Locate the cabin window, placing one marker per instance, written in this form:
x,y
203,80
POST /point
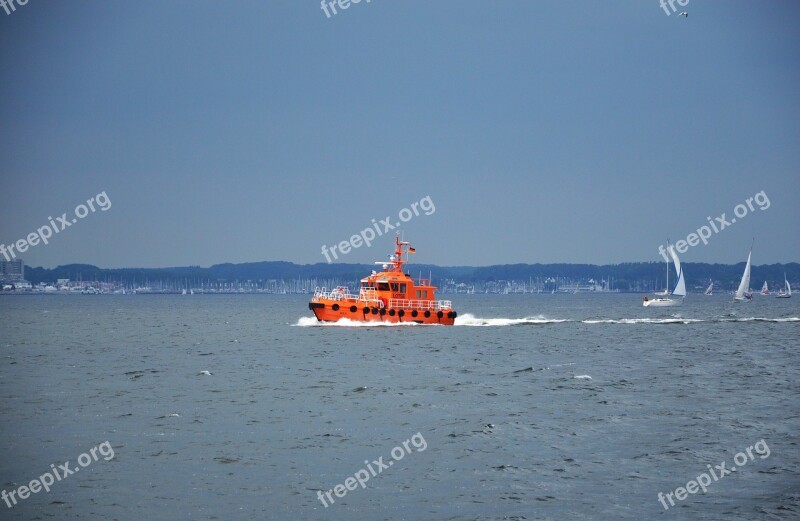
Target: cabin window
x,y
383,286
402,288
422,293
395,287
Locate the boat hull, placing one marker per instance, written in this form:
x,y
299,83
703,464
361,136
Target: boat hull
x,y
661,303
335,311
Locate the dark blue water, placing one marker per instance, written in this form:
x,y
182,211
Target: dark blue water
x,y
534,407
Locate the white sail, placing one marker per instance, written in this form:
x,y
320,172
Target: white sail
x,y
744,285
710,288
787,293
680,286
765,289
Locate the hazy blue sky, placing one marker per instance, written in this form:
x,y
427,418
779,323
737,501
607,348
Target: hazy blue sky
x,y
543,131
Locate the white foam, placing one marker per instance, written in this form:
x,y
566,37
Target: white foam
x,y
582,377
470,320
473,321
762,319
346,322
644,321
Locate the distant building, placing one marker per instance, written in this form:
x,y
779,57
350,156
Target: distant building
x,y
12,271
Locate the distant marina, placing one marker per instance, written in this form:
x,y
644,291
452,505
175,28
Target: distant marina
x,y
275,278
306,287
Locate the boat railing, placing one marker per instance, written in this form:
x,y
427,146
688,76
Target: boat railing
x,y
369,297
398,303
338,293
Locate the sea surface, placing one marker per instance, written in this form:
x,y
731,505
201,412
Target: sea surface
x,y
563,407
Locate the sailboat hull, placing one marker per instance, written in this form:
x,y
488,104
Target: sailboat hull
x,y
661,303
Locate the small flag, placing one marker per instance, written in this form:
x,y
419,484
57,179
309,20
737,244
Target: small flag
x,y
411,250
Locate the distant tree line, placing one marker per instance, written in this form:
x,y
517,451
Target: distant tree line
x,y
626,276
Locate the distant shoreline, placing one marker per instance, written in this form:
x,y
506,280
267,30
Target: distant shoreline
x,y
285,277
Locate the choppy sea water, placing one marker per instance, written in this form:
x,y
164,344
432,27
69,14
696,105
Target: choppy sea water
x,y
531,407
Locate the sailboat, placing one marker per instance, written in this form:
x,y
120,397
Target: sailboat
x,y
710,289
680,286
788,292
765,289
665,293
742,294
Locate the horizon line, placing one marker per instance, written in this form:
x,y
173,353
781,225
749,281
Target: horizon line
x,y
407,264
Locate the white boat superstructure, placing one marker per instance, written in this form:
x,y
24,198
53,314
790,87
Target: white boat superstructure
x,y
680,286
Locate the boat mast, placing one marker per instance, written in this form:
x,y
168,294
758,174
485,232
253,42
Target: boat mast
x,y
397,263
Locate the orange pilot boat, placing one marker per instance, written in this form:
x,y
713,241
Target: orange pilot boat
x,y
388,296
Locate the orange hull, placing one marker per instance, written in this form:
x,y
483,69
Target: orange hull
x,y
325,312
389,296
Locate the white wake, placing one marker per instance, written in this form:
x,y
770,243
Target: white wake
x,y
346,322
473,321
